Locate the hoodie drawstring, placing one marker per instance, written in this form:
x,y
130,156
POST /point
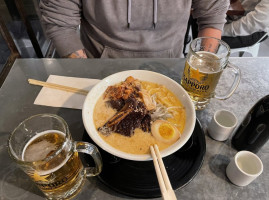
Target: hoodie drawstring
x,y
155,13
129,12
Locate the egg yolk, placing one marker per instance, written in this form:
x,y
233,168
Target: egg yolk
x,y
166,130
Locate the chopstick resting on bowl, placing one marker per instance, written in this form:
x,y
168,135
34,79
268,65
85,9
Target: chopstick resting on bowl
x,y
163,179
58,87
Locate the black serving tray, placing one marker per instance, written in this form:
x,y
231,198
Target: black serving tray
x,y
138,178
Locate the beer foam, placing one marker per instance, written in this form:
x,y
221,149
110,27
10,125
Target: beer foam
x,y
205,66
39,151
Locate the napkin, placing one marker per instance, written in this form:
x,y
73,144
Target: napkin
x,y
59,98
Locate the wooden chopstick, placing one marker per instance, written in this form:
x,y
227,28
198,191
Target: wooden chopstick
x,y
58,87
163,179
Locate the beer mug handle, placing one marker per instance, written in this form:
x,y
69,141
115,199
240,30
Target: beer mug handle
x,y
85,147
235,84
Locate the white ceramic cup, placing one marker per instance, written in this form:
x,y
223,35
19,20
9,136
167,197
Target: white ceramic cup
x,y
244,168
222,125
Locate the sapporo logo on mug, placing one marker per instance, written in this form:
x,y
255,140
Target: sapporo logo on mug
x,y
206,60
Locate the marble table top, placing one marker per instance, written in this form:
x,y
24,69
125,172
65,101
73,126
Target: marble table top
x,y
16,104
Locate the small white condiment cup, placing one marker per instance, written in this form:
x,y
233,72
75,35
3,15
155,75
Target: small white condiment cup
x,y
222,125
244,168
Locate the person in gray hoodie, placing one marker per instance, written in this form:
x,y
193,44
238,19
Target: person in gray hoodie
x,y
126,28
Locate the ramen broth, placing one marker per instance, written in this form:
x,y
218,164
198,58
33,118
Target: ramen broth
x,y
140,141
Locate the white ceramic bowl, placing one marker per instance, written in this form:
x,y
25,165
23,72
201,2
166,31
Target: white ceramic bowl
x,y
99,89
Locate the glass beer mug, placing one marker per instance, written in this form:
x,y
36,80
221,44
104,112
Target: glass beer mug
x,y
206,60
43,148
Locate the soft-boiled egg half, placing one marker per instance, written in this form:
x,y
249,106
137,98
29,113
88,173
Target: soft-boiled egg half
x,y
164,131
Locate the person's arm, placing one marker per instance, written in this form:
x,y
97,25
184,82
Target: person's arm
x,y
211,16
61,19
210,32
210,44
254,21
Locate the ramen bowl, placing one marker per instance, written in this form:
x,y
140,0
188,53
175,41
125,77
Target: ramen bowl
x,y
98,90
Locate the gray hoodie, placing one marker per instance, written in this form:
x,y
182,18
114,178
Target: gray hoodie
x,y
127,28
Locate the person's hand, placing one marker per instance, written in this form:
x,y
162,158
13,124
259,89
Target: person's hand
x,y
77,54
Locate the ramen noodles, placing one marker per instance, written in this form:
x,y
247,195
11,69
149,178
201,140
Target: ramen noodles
x,y
133,115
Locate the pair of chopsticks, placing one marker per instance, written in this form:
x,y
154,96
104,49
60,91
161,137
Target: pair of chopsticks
x,y
58,87
163,179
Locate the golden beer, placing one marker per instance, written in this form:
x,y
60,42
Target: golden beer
x,y
201,75
207,58
57,173
50,156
